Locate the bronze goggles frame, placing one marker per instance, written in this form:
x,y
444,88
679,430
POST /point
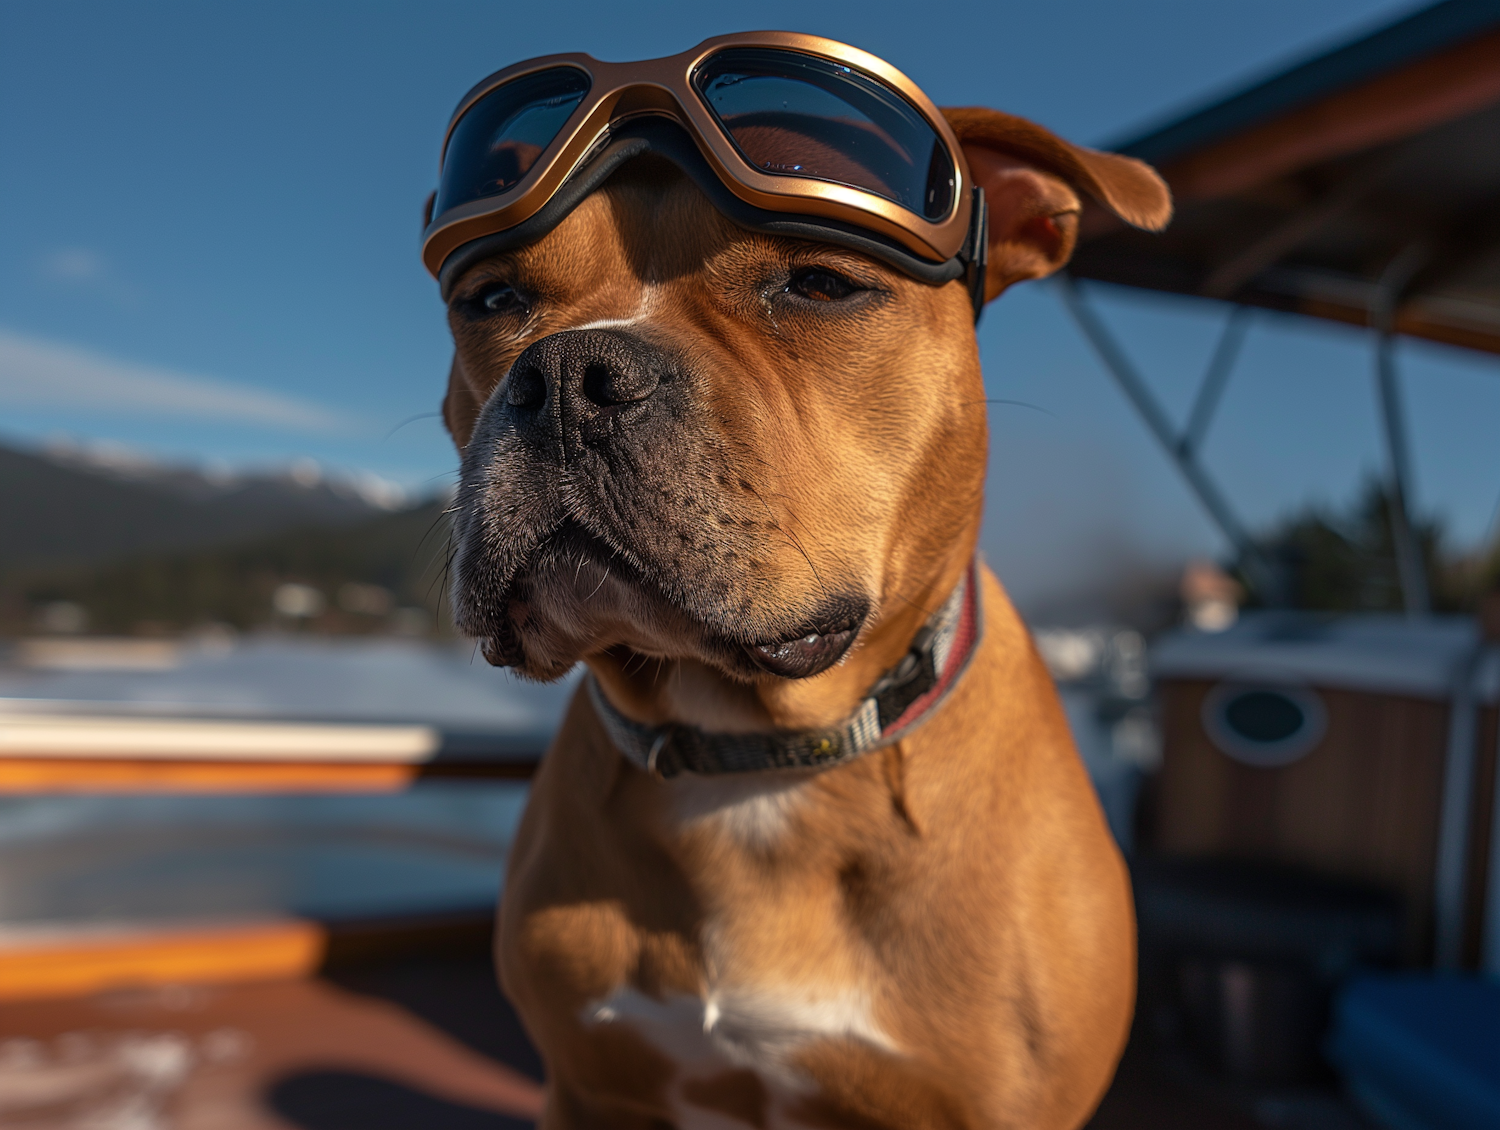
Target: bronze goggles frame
x,y
621,114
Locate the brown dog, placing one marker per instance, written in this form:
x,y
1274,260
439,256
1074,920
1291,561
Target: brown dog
x,y
706,462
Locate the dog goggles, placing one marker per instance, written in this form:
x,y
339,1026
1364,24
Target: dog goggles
x,y
786,133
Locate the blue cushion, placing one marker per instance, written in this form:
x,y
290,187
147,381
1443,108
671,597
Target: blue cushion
x,y
1421,1052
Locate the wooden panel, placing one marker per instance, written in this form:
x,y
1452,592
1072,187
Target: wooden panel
x,y
73,965
1363,806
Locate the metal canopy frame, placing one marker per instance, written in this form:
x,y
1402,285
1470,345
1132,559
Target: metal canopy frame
x,y
1360,186
1184,447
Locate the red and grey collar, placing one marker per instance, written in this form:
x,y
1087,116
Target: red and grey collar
x,y
900,701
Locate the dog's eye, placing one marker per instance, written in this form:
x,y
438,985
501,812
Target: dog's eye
x,y
499,299
821,285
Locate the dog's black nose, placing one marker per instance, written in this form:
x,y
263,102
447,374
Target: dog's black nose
x,y
584,376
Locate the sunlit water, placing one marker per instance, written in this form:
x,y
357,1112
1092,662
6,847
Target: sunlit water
x,y
437,846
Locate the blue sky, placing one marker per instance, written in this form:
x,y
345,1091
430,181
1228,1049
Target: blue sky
x,y
209,219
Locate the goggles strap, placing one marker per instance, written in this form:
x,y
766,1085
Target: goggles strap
x,y
976,251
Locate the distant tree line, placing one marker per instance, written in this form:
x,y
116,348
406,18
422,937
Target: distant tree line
x,y
376,576
1343,559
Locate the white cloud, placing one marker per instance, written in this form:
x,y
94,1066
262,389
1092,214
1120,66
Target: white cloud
x,y
74,264
36,373
84,269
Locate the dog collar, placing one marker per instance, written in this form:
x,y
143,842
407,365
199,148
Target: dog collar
x,y
900,701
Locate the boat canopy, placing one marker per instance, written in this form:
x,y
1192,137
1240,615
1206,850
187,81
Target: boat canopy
x,y
1362,185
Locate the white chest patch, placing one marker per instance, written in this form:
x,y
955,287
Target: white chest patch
x,y
755,1030
752,809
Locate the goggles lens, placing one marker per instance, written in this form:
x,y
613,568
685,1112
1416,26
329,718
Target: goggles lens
x,y
797,115
497,141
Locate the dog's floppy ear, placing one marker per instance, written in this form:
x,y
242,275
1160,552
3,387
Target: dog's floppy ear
x,y
461,404
1032,180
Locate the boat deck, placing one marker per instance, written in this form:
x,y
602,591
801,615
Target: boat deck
x,y
422,1043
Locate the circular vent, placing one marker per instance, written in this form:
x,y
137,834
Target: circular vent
x,y
1264,726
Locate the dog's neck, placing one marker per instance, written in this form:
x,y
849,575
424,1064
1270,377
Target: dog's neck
x,y
901,700
688,692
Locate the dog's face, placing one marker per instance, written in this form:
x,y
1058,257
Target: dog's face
x,y
683,440
696,441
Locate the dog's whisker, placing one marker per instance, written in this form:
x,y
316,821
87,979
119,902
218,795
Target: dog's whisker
x,y
780,529
910,603
599,586
1008,403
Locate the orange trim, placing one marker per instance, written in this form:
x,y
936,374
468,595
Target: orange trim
x,y
76,966
1437,89
1412,324
28,775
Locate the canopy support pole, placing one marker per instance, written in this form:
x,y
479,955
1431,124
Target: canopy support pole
x,y
1180,449
1409,567
1415,595
1215,378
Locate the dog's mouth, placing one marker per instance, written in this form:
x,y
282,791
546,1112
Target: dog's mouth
x,y
593,574
804,655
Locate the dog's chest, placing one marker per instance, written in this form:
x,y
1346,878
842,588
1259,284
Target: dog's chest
x,y
735,1052
735,1045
